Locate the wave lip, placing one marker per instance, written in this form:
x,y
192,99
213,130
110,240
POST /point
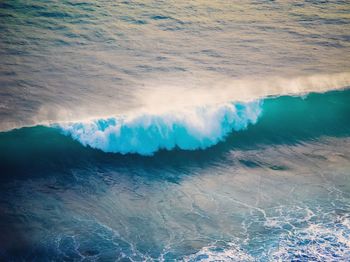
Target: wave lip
x,y
187,129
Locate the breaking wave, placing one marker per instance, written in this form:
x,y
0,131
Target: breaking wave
x,y
273,120
187,129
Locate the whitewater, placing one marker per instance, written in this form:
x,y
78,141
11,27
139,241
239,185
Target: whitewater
x,y
145,134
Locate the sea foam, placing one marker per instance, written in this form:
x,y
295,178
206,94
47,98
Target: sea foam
x,y
146,133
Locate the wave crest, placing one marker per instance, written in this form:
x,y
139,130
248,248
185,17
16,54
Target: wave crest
x,y
187,129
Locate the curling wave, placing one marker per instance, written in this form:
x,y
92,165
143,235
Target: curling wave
x,y
274,120
187,129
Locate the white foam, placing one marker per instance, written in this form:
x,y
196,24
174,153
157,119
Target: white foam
x,y
211,253
188,129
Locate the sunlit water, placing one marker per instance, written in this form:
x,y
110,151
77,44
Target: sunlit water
x,y
174,131
63,60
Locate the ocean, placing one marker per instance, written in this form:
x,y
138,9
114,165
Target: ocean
x,y
174,130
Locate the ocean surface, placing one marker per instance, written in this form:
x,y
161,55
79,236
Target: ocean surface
x,y
174,130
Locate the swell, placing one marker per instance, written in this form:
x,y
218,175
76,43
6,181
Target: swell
x,y
281,120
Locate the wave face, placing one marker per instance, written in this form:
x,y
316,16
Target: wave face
x,y
145,134
284,119
279,120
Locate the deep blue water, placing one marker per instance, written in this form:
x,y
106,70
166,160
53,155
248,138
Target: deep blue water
x,y
174,131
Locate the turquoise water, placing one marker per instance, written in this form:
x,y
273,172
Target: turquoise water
x,y
174,131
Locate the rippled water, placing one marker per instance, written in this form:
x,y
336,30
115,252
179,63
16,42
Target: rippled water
x,y
174,131
265,204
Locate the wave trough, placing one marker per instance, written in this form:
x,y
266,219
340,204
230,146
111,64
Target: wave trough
x,y
187,129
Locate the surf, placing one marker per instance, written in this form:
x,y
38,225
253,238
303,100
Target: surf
x,y
187,129
203,127
274,120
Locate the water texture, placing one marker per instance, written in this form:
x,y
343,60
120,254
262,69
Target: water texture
x,y
174,131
